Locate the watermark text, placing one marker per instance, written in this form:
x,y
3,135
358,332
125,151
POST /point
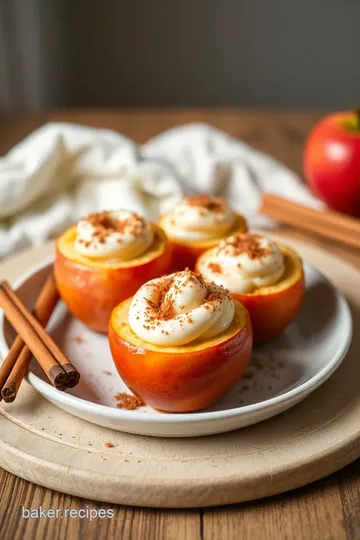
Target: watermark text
x,y
82,513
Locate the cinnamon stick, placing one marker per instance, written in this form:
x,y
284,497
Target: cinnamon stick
x,y
326,223
72,375
15,365
53,370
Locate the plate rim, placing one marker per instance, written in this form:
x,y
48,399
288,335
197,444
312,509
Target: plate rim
x,y
83,405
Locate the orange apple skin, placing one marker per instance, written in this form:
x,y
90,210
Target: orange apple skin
x,y
185,255
271,313
182,382
90,294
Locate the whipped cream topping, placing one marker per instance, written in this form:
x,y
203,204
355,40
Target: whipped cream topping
x,y
199,218
180,308
122,235
243,263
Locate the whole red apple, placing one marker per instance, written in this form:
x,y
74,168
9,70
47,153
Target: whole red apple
x,y
332,161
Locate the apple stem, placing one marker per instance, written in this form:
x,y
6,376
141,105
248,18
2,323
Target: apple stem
x,y
357,118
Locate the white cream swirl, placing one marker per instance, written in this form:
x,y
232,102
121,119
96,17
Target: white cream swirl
x,y
180,308
243,263
122,235
199,218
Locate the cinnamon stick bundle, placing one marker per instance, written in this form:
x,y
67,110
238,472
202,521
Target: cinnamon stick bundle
x,y
15,366
32,339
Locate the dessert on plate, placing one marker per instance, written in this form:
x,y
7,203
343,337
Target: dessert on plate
x,y
104,259
180,343
199,223
267,277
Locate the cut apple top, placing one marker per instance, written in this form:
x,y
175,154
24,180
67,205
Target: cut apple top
x,y
292,271
119,323
66,246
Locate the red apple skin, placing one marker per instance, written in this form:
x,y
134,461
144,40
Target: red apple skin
x,y
332,162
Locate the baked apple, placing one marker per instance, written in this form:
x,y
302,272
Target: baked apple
x,y
197,224
265,276
105,259
180,343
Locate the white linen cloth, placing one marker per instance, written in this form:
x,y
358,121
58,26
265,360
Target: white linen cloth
x,y
62,172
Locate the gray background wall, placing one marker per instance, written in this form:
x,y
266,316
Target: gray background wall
x,y
182,53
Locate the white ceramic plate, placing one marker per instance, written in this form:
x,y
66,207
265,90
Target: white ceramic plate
x,y
279,375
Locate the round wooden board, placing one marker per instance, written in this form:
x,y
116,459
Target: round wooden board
x,y
45,445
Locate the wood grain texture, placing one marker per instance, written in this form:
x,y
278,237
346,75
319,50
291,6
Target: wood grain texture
x,y
311,513
126,523
328,509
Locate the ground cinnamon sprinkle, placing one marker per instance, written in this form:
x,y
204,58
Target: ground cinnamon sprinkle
x,y
163,308
127,401
215,267
193,276
166,306
109,444
214,204
244,243
214,297
166,311
104,224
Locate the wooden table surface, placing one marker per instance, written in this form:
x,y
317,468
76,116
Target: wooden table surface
x,y
328,509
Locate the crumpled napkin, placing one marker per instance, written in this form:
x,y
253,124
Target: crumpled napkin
x,y
62,172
